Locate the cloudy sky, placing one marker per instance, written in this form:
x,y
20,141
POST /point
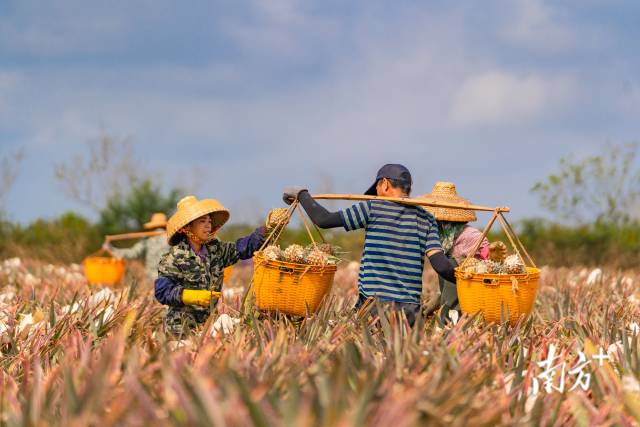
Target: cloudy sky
x,y
252,96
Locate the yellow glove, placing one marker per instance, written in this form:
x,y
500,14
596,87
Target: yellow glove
x,y
199,297
277,217
497,251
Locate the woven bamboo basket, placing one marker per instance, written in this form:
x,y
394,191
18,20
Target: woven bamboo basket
x,y
499,297
289,288
227,273
101,270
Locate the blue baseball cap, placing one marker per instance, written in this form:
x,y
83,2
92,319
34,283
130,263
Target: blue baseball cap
x,y
390,171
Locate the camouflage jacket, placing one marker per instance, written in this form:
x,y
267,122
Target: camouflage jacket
x,y
152,248
181,268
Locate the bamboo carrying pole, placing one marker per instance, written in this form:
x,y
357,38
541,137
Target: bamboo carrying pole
x,y
418,201
136,235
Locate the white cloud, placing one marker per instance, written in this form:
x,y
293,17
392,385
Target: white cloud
x,y
501,98
293,94
61,27
281,28
538,24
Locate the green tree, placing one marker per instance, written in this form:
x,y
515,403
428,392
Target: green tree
x,y
603,187
128,212
68,238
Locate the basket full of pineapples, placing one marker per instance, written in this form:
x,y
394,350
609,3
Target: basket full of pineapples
x,y
503,287
293,280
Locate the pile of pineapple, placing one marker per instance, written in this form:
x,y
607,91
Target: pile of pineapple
x,y
315,254
511,265
498,263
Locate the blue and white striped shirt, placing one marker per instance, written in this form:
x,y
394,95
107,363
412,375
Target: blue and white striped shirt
x,y
396,239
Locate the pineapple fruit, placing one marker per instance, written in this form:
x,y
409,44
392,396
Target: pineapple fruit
x,y
317,257
493,267
272,253
326,248
315,254
513,265
294,253
471,265
277,217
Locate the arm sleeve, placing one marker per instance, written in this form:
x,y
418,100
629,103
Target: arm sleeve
x,y
134,251
442,266
318,213
357,216
167,287
229,253
167,292
246,246
431,237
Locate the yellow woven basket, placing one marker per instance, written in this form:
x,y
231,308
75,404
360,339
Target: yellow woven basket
x,y
290,288
103,270
227,273
496,295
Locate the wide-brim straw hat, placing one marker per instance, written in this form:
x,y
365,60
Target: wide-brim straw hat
x,y
446,192
158,220
189,209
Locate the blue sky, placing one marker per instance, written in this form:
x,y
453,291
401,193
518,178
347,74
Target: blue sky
x,y
252,96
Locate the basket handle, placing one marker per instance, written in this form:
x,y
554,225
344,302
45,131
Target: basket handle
x,y
509,231
277,230
479,242
511,235
101,251
304,221
276,233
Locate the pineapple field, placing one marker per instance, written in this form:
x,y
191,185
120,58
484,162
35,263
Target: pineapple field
x,y
78,355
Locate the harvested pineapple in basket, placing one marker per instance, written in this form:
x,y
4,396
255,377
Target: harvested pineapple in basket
x,y
314,254
512,264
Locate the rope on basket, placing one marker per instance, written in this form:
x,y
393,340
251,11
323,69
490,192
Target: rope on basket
x,y
511,235
274,236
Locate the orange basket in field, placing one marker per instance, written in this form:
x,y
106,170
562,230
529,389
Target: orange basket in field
x,y
227,273
290,288
100,270
499,297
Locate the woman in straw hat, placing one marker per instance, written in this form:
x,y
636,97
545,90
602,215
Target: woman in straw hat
x,y
152,248
457,237
190,274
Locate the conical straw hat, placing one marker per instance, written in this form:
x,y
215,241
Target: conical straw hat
x,y
446,192
158,220
189,209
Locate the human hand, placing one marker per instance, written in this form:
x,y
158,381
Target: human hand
x,y
291,194
497,251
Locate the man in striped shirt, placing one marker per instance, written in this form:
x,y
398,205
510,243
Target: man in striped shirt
x,y
397,238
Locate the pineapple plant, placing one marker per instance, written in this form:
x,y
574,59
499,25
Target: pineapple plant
x,y
294,253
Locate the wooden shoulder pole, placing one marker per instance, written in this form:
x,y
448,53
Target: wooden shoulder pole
x,y
418,201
